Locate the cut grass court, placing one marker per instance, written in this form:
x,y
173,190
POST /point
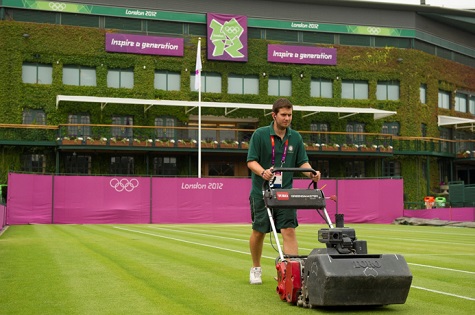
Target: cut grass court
x,y
204,269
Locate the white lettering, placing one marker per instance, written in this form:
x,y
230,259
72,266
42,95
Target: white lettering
x,y
281,54
134,12
316,56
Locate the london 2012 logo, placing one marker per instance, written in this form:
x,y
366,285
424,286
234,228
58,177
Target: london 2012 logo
x,y
124,184
227,37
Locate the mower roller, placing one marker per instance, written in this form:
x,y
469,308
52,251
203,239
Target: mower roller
x,y
342,273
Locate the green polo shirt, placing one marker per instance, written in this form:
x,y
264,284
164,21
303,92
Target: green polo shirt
x,y
260,150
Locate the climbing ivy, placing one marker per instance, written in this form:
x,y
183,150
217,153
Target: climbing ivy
x,y
60,45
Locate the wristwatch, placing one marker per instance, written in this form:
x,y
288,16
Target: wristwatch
x,y
262,174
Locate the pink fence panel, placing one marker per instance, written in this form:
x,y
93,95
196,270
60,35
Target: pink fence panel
x,y
101,199
449,214
370,200
198,200
108,199
29,199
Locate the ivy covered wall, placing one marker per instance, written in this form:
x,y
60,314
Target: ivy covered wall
x,y
60,45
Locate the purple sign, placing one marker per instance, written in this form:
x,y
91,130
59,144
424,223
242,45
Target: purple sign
x,y
227,37
146,45
301,54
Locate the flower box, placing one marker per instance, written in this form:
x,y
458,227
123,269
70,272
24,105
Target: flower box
x,y
313,147
244,145
71,142
163,144
120,143
95,142
330,148
186,144
228,145
208,145
142,143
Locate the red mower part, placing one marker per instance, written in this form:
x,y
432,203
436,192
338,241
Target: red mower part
x,y
289,280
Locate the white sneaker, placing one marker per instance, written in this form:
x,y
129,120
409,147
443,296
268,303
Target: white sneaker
x,y
255,275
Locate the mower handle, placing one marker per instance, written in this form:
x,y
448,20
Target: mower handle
x,y
293,169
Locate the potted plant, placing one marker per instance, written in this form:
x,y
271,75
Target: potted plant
x,y
119,141
229,144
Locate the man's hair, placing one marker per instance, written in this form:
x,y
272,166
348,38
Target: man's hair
x,y
281,103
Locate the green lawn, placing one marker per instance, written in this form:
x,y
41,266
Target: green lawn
x,y
204,269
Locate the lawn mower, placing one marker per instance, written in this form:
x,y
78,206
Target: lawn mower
x,y
342,273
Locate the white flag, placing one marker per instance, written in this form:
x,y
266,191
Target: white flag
x,y
198,67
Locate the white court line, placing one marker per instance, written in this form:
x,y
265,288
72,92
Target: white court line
x,y
241,240
273,258
444,293
188,242
442,268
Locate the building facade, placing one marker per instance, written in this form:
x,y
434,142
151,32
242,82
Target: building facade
x,y
103,87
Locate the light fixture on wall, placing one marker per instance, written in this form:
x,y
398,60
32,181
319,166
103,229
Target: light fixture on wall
x,y
145,67
400,60
301,75
26,35
264,74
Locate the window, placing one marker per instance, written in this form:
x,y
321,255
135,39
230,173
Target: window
x,y
354,89
444,99
34,163
166,80
280,86
387,90
471,105
424,130
390,128
120,78
79,130
317,137
391,168
122,132
34,117
210,82
221,169
461,102
355,138
37,73
164,166
245,84
80,76
423,93
123,165
322,165
354,169
165,133
77,164
321,88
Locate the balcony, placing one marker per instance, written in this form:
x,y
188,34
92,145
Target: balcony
x,y
107,137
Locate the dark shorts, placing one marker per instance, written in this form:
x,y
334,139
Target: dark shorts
x,y
283,218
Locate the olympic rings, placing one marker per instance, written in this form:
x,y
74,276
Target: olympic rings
x,y
232,29
124,184
374,30
57,6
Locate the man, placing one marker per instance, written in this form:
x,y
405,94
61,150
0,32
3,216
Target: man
x,y
276,145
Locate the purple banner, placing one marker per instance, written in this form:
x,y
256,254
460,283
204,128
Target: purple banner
x,y
227,37
134,200
147,45
301,54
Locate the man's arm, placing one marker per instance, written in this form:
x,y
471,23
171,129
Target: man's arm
x,y
314,177
257,169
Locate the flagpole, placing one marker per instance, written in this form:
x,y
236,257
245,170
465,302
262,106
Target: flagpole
x,y
198,83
